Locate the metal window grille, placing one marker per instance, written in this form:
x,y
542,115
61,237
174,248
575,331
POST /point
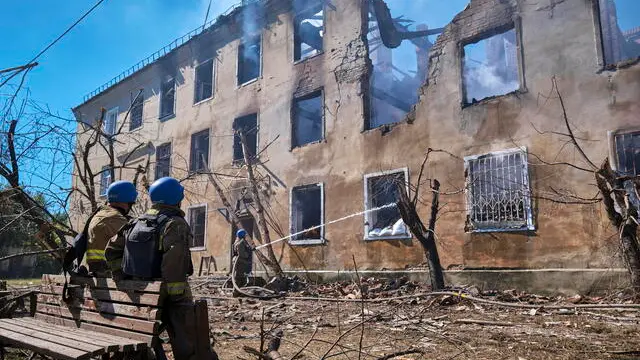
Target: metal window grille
x,y
628,153
163,161
197,222
136,112
199,150
498,193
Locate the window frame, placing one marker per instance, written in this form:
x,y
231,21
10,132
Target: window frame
x,y
169,158
303,242
600,47
367,219
206,220
528,203
613,152
116,110
105,172
241,43
141,113
165,117
207,165
195,81
240,162
516,25
296,25
294,102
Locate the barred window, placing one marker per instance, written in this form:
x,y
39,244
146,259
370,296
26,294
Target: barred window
x,y
628,153
198,224
136,112
498,193
163,160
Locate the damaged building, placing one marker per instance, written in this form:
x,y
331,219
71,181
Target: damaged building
x,y
341,99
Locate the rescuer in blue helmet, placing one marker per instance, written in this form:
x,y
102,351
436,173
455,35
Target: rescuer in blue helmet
x,y
242,261
167,258
106,223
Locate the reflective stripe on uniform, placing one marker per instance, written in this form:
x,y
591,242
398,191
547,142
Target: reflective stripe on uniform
x,y
176,288
96,255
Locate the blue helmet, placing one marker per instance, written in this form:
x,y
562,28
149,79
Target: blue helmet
x,y
122,192
167,191
242,233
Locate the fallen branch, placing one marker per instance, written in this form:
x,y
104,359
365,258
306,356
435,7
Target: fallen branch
x,y
401,353
483,322
32,253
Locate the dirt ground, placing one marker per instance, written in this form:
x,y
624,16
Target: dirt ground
x,y
434,327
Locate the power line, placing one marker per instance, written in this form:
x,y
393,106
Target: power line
x,y
55,41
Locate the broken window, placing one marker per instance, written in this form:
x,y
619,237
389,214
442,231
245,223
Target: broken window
x,y
383,221
498,194
628,153
308,32
204,81
167,98
163,160
620,24
306,214
490,67
307,125
199,151
198,224
110,121
248,125
136,111
399,37
249,53
105,180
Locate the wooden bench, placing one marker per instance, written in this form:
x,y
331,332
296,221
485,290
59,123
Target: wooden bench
x,y
103,318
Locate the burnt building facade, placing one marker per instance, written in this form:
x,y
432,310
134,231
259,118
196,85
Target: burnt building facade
x,y
340,100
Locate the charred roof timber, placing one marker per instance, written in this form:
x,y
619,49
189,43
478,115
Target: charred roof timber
x,y
391,37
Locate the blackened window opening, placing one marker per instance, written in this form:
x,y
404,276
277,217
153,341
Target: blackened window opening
x,y
620,24
308,32
248,125
249,53
136,111
306,204
628,153
199,151
163,161
308,119
204,81
197,222
384,190
167,98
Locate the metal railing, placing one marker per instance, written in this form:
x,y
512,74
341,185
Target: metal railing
x,y
160,53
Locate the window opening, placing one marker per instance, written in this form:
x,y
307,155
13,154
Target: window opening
x,y
204,81
136,111
249,53
382,190
167,98
110,121
620,24
163,160
498,192
490,67
307,212
628,153
308,32
249,126
308,119
105,180
199,151
198,222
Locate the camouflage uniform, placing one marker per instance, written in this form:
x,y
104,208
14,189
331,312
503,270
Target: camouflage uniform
x,y
104,225
178,309
242,261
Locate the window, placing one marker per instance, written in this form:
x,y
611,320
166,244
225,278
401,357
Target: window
x,y
490,67
380,194
628,153
308,32
498,194
199,151
204,81
249,53
163,160
249,126
307,126
167,98
136,111
105,180
620,25
307,211
198,224
110,121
